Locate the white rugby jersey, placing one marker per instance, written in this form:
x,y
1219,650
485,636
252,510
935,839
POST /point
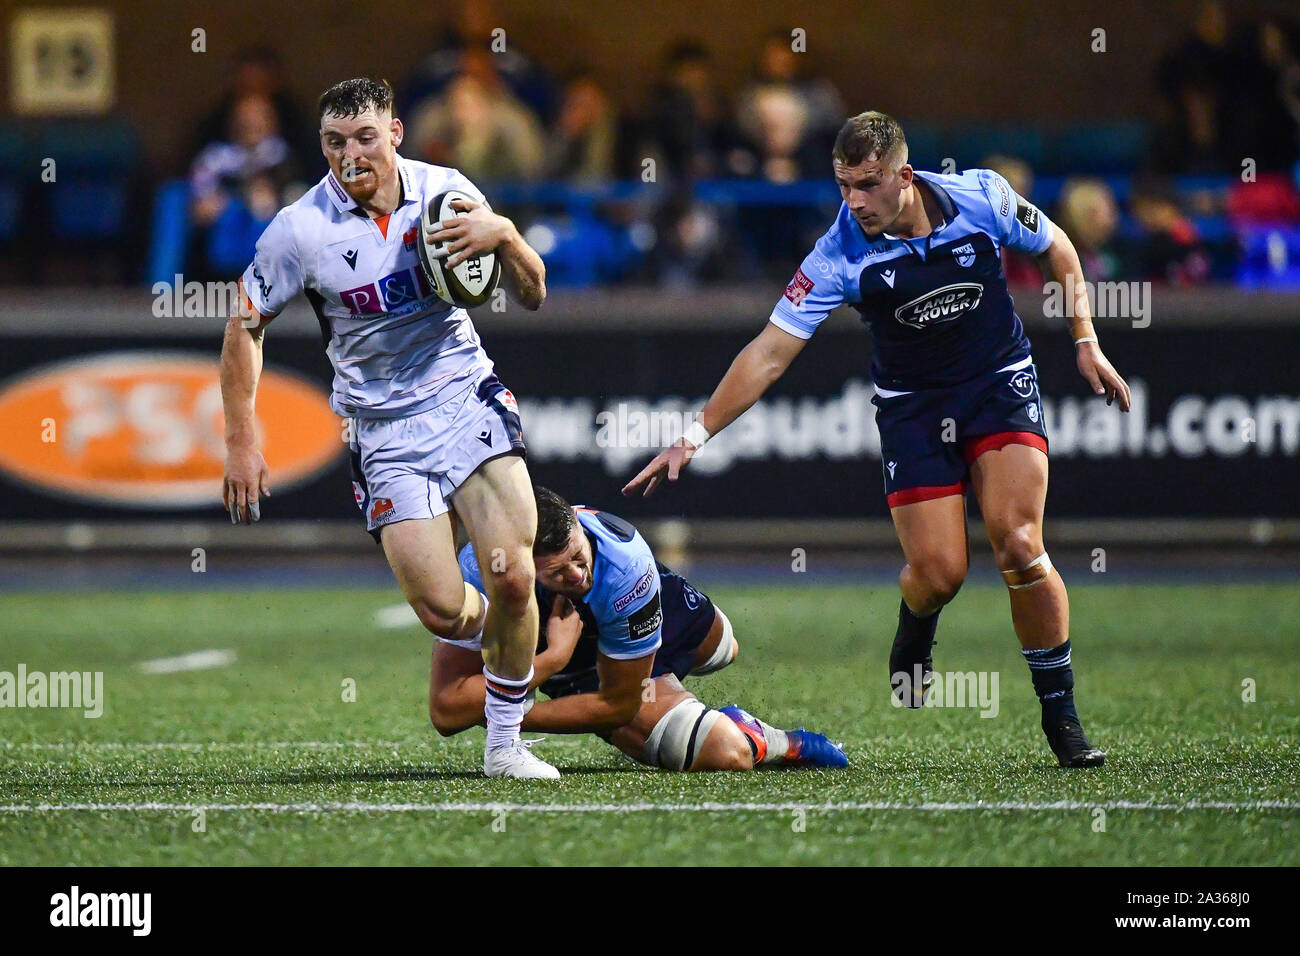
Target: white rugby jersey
x,y
397,349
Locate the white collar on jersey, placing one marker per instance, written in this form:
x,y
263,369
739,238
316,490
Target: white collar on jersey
x,y
345,203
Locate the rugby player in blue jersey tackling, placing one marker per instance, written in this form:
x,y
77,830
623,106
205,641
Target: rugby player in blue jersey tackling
x,y
918,256
623,633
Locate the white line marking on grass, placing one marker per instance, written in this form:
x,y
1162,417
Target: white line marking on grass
x,y
704,807
217,745
396,615
198,661
109,745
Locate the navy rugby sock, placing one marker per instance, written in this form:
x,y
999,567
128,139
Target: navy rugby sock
x,y
1053,682
912,628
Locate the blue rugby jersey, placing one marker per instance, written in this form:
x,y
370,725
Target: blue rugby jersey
x,y
936,307
624,599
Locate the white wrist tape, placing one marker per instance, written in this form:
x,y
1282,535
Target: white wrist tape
x,y
696,434
1086,338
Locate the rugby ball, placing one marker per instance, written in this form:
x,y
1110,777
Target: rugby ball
x,y
468,284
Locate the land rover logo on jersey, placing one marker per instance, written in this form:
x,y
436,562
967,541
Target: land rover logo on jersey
x,y
965,255
1022,383
941,305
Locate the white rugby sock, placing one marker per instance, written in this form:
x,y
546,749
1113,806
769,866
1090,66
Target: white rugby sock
x,y
778,742
503,706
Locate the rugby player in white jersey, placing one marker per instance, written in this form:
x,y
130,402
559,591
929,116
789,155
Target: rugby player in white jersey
x,y
433,427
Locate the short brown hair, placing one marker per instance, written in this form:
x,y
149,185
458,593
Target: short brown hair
x,y
353,97
870,133
555,522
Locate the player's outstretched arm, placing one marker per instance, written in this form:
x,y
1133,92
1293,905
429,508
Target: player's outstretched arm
x,y
613,705
246,478
481,230
1061,263
759,364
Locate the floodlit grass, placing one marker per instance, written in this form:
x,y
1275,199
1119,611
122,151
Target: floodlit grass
x,y
1160,673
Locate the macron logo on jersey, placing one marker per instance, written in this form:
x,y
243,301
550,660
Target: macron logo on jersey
x,y
391,292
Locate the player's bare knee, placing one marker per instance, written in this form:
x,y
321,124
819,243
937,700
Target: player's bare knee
x,y
439,616
441,718
1015,547
942,576
726,750
512,587
739,758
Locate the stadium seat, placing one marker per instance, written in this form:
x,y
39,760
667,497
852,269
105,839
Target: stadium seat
x,y
14,154
170,231
95,161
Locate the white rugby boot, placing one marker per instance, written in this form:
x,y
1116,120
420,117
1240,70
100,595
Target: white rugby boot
x,y
518,761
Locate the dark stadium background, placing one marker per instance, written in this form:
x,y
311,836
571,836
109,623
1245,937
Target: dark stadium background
x,y
655,285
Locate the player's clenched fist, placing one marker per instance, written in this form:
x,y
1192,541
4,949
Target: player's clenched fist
x,y
245,481
669,462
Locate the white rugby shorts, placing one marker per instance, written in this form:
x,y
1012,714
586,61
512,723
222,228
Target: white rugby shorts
x,y
404,468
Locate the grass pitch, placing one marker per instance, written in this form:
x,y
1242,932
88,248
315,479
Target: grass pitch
x,y
262,761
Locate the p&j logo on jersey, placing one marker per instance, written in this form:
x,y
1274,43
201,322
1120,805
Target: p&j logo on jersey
x,y
388,294
798,288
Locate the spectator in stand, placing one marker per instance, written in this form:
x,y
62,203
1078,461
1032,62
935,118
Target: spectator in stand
x,y
687,130
474,31
789,120
774,124
1264,105
1088,214
237,186
478,126
257,72
584,141
1193,80
690,248
1020,269
1169,250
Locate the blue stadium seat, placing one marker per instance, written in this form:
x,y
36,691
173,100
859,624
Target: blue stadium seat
x,y
14,155
170,232
95,161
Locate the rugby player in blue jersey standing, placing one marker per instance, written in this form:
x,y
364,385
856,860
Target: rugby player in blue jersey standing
x,y
918,256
